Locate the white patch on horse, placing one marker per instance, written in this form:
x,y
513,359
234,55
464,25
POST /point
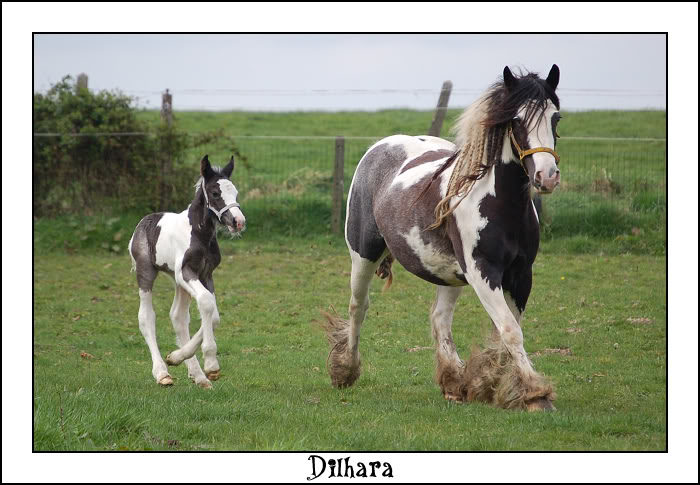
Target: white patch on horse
x,y
174,238
416,174
441,265
415,148
469,220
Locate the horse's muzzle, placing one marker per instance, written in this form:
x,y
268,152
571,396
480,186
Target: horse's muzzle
x,y
545,184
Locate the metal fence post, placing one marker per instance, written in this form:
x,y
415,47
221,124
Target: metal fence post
x,y
338,175
441,109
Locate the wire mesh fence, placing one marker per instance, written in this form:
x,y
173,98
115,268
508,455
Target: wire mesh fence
x,y
291,177
605,175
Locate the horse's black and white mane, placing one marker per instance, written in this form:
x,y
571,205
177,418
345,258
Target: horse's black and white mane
x,y
480,132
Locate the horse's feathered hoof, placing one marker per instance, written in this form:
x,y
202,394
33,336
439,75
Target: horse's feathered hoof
x,y
541,404
213,375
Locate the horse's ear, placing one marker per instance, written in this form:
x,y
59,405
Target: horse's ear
x,y
553,77
509,79
228,169
205,167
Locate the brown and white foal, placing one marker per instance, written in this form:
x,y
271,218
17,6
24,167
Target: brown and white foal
x,y
184,246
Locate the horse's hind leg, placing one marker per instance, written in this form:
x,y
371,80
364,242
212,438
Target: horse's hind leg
x,y
147,325
449,367
180,316
344,335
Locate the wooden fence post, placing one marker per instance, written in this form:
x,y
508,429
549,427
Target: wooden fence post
x,y
166,114
441,109
82,80
166,109
338,175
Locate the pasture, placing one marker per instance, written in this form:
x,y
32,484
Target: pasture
x,y
596,324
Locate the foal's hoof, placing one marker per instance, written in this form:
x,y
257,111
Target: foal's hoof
x,y
205,384
540,405
170,360
166,381
213,375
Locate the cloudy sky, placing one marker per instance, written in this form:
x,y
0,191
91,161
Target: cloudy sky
x,y
353,71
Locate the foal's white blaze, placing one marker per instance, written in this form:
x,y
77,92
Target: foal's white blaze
x,y
230,195
439,264
174,239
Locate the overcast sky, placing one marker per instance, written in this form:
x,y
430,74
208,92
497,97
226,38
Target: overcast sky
x,y
598,71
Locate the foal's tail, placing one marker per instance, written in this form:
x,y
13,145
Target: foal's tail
x,y
384,271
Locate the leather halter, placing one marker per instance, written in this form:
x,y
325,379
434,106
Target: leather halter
x,y
522,154
218,213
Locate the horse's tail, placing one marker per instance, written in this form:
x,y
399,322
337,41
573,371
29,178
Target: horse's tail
x,y
384,271
133,261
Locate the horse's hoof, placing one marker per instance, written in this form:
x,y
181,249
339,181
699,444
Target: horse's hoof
x,y
170,360
452,397
205,384
213,375
540,405
166,381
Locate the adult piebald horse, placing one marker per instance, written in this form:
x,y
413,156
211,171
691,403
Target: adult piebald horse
x,y
455,215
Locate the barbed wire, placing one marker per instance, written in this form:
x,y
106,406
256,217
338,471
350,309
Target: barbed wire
x,y
312,137
378,91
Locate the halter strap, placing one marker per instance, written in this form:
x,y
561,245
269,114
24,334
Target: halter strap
x,y
522,154
218,213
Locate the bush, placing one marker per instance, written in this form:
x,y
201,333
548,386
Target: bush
x,y
84,172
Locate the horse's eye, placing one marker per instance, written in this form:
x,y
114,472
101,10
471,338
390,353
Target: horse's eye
x,y
516,118
215,195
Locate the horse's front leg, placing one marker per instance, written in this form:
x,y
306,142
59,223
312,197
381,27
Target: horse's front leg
x,y
448,372
206,303
180,316
503,374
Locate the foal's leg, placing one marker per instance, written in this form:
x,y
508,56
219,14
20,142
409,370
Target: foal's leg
x,y
205,335
180,316
504,375
344,335
449,366
147,325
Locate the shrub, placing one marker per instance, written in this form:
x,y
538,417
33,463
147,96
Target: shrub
x,y
82,171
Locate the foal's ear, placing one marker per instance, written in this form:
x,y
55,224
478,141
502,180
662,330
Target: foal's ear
x,y
205,167
553,77
509,79
228,169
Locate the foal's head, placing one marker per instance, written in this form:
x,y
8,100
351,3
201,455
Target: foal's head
x,y
220,195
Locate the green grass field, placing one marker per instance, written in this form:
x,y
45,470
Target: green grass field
x,y
595,324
